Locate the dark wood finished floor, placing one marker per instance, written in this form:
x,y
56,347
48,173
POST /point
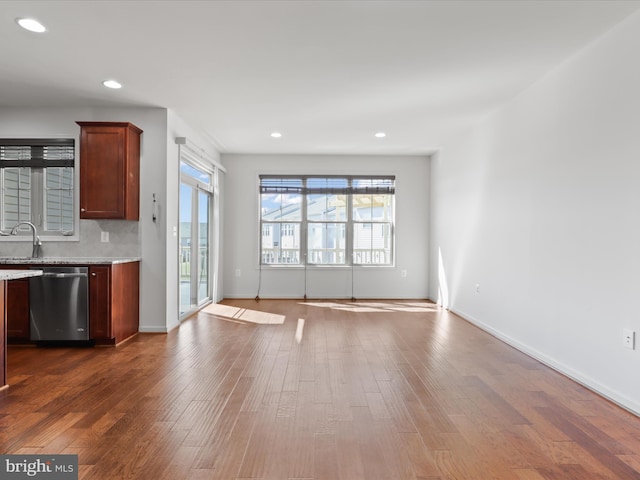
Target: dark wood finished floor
x,y
371,390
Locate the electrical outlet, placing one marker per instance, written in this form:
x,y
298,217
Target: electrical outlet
x,y
403,273
104,237
629,338
477,288
238,272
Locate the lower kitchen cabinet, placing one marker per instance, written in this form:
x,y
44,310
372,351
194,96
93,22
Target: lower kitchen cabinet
x,y
17,307
113,303
3,326
17,303
114,292
100,303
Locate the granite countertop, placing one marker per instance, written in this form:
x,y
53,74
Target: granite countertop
x,y
15,274
67,260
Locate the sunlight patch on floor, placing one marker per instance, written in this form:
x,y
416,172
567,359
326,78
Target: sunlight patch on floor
x,y
372,307
244,314
356,308
299,330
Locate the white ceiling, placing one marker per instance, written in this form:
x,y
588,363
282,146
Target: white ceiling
x,y
327,74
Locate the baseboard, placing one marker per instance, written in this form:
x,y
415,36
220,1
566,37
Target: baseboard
x,y
621,400
269,297
331,297
153,329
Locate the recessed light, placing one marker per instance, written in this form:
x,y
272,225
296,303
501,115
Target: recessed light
x,y
276,135
380,135
111,84
31,24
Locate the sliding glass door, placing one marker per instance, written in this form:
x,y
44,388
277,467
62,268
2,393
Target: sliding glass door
x,y
203,282
196,205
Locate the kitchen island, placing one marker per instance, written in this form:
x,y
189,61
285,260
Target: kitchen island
x,y
5,277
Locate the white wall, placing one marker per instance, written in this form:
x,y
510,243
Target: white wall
x,y
242,228
539,206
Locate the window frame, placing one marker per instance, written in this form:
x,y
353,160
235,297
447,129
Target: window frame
x,y
388,187
38,163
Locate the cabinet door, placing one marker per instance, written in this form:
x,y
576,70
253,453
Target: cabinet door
x,y
109,170
125,305
3,342
17,305
102,172
100,303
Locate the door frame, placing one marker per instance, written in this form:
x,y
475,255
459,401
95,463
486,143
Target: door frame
x,y
192,158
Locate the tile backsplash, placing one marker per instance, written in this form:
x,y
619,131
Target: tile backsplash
x,y
124,241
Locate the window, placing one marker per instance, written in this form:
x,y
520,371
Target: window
x,y
334,220
281,217
37,184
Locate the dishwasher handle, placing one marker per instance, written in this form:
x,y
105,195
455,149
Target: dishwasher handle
x,y
64,275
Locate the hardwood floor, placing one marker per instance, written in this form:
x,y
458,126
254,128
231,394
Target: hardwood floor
x,y
371,390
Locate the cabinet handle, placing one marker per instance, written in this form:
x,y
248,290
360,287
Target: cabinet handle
x,y
83,210
93,274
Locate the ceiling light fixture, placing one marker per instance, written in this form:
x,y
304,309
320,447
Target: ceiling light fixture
x,y
31,24
111,84
276,135
380,135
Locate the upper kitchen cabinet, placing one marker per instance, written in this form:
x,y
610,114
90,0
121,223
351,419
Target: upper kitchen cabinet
x,y
109,170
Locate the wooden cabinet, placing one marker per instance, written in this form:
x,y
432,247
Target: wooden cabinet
x,y
109,170
99,302
17,307
17,303
125,299
3,334
114,302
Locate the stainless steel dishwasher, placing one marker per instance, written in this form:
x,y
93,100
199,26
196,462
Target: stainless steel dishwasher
x,y
59,304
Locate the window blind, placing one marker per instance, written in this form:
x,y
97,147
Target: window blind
x,y
328,184
37,152
270,184
377,185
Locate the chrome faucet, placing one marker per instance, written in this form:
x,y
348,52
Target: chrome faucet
x,y
37,243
